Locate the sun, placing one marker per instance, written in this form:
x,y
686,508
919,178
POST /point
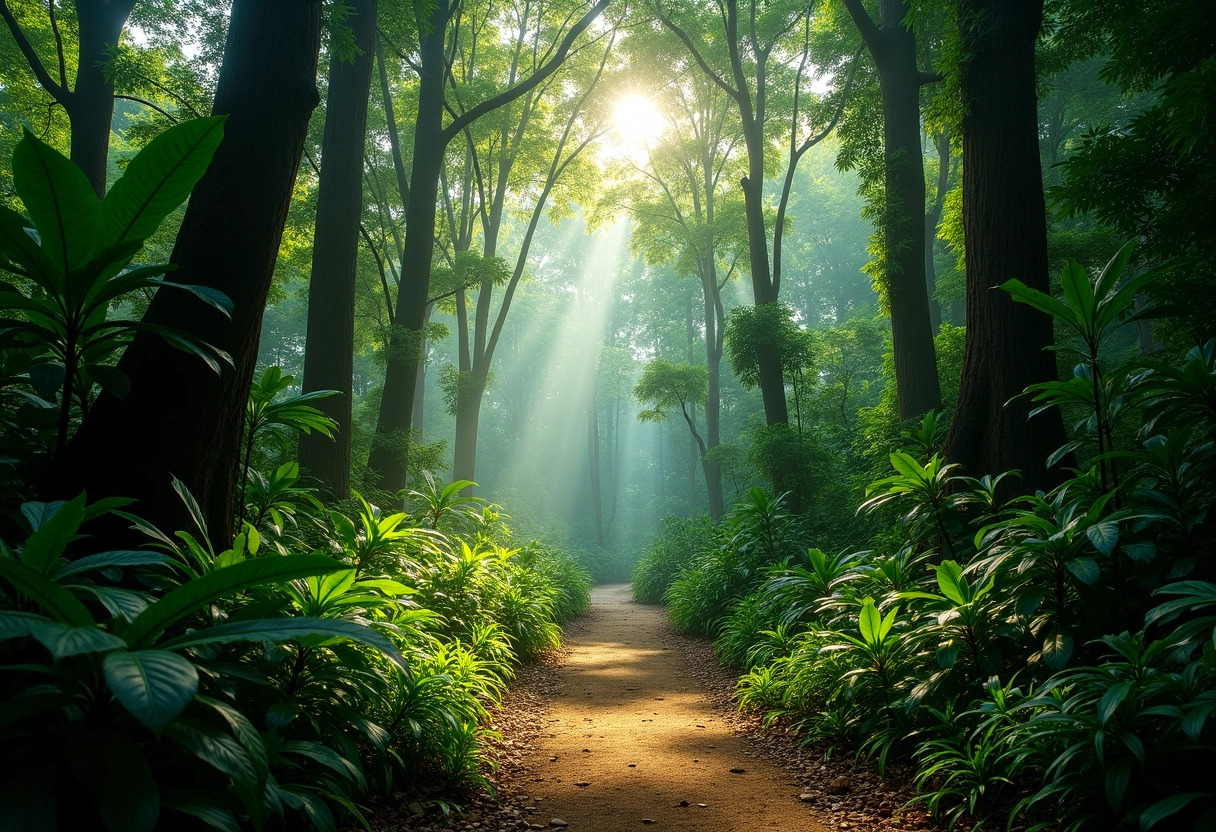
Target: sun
x,y
637,124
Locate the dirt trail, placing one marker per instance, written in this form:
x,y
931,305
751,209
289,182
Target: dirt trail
x,y
629,735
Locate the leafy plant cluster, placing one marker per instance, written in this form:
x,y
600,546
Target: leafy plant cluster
x,y
1047,660
326,657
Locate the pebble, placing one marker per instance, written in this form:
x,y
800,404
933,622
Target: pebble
x,y
558,822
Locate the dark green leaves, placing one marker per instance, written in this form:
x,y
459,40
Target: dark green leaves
x,y
153,685
60,201
159,179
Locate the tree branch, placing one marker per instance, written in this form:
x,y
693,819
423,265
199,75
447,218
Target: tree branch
x,y
696,55
148,104
870,33
509,95
60,93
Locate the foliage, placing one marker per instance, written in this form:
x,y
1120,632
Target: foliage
x,y
71,261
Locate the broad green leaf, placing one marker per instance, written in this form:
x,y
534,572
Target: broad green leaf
x,y
223,753
15,624
1078,294
190,802
153,685
951,582
1057,650
1163,809
63,640
20,248
54,599
1108,278
1042,301
159,179
287,629
104,560
1111,700
47,544
870,622
36,513
1104,536
185,599
60,201
110,379
120,603
1086,570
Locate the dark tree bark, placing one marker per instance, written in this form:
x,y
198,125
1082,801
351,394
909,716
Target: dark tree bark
x,y
90,104
1005,231
180,418
893,47
330,339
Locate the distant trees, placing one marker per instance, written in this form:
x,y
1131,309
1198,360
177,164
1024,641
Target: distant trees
x,y
769,51
438,31
665,387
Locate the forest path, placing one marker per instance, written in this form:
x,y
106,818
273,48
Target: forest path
x,y
629,735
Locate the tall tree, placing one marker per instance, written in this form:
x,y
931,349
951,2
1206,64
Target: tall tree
x,y
1005,229
773,43
89,101
180,419
680,199
330,338
504,149
431,138
892,45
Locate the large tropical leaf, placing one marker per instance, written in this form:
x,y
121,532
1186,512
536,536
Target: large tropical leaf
x,y
49,540
230,580
153,685
104,560
60,201
287,629
22,252
63,640
158,179
54,599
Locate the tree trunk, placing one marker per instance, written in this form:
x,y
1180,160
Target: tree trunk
x,y
330,339
90,106
713,397
1005,232
593,465
893,47
391,442
180,419
932,217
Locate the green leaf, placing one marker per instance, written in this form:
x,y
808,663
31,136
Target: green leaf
x,y
153,685
14,624
36,513
48,542
1057,650
1104,536
1078,293
870,622
1111,700
64,641
198,593
1162,809
287,629
54,599
19,247
60,201
104,560
1086,570
1042,301
223,753
1113,270
951,582
189,802
111,379
159,179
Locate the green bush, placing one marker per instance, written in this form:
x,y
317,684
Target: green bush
x,y
682,540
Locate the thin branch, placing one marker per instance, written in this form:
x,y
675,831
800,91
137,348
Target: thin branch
x,y
509,95
61,93
63,68
696,55
148,104
371,246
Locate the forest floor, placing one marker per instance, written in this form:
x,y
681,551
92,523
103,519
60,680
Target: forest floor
x,y
633,725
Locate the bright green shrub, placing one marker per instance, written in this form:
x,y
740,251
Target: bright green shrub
x,y
682,540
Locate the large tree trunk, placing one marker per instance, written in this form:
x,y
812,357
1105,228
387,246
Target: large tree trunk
x,y
390,444
1005,229
180,419
713,403
893,47
330,339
